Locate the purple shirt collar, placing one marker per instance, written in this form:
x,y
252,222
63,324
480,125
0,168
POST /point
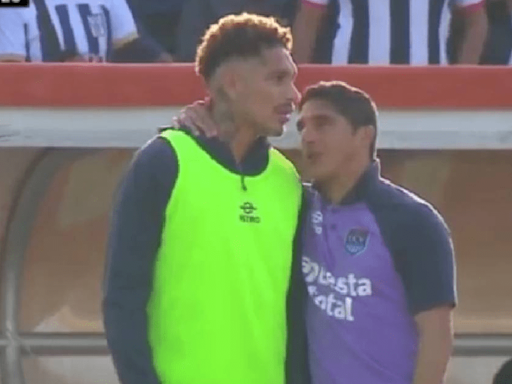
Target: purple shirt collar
x,y
359,191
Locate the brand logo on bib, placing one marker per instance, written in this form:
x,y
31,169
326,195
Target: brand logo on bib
x,y
248,213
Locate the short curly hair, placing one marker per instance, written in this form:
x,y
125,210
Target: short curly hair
x,y
243,36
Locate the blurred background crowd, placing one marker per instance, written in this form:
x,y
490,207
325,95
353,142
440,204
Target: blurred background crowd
x,y
383,32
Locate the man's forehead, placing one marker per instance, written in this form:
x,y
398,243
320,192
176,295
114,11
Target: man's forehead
x,y
317,108
275,58
271,60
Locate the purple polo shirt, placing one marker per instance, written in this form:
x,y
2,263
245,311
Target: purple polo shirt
x,y
371,263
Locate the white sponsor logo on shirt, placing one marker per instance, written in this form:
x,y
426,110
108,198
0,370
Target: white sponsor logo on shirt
x,y
347,287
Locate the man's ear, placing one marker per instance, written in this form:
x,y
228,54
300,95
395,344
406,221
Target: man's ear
x,y
229,81
366,134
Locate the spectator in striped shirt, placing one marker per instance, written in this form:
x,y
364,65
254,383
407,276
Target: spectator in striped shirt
x,y
498,47
74,30
158,19
384,32
198,15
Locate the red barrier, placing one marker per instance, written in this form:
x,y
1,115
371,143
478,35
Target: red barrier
x,y
88,85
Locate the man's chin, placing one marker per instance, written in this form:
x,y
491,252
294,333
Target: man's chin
x,y
314,174
274,130
277,131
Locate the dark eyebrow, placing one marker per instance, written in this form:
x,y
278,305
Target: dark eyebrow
x,y
319,118
282,72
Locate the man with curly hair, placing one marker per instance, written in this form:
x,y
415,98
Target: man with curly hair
x,y
202,271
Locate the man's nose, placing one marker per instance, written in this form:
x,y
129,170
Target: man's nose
x,y
307,136
295,94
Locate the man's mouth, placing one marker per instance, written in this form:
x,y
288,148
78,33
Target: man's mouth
x,y
284,118
284,113
313,157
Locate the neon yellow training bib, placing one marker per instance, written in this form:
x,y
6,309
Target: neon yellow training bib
x,y
217,313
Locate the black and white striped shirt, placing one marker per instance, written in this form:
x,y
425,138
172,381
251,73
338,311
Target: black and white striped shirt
x,y
384,32
88,28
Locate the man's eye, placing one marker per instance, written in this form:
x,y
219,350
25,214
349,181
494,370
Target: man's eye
x,y
280,78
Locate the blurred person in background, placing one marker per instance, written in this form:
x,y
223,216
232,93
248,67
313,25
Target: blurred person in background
x,y
203,278
19,34
322,47
159,19
498,47
74,30
412,32
198,15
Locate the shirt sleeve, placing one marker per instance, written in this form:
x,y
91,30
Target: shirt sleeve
x,y
124,29
424,258
12,34
315,3
469,5
134,239
195,18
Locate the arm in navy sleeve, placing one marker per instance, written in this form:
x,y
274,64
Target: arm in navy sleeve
x,y
133,243
297,362
143,49
424,258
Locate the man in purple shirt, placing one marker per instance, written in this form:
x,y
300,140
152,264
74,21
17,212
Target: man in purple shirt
x,y
378,260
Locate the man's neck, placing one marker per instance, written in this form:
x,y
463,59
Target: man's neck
x,y
238,136
336,188
241,145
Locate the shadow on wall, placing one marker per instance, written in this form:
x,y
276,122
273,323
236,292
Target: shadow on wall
x,y
14,163
61,289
